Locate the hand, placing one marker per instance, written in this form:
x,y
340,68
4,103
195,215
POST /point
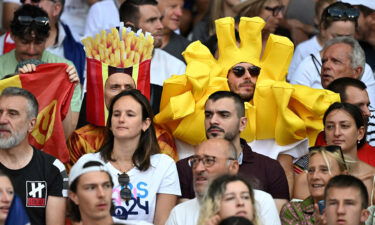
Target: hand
x,y
214,220
319,218
73,75
28,68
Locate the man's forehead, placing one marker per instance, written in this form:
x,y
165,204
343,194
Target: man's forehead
x,y
338,48
149,11
120,78
212,148
14,102
94,177
222,104
342,193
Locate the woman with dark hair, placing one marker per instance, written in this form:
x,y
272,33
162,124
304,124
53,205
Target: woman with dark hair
x,y
12,209
344,125
146,183
228,196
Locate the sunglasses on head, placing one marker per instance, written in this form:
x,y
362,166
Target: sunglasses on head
x,y
275,10
330,148
123,180
27,20
343,13
239,71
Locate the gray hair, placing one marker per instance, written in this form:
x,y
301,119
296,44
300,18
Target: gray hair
x,y
32,109
357,56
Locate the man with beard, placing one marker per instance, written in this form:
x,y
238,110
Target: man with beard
x,y
213,158
225,118
145,15
39,179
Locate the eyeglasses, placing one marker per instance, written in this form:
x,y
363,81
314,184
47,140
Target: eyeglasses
x,y
343,13
123,180
27,20
275,10
330,148
239,71
207,161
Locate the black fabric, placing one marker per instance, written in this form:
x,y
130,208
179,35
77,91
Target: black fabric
x,y
36,181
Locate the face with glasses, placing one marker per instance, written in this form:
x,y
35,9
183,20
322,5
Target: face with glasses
x,y
272,13
242,78
340,129
320,170
212,159
93,195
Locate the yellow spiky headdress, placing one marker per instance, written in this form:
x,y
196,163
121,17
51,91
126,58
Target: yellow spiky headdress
x,y
287,113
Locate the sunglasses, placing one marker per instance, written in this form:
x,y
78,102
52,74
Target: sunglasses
x,y
275,10
239,71
125,193
343,13
27,20
330,148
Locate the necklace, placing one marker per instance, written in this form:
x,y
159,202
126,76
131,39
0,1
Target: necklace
x,y
122,167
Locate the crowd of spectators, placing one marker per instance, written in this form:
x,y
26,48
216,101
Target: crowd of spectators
x,y
236,125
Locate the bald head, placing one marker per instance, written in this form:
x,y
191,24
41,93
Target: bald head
x,y
212,158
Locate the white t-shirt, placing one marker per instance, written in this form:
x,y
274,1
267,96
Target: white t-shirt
x,y
307,74
163,66
187,213
102,15
302,50
160,178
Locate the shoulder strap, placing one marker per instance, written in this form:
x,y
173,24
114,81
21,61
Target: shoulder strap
x,y
316,62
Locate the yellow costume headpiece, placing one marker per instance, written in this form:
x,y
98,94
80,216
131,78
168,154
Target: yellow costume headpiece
x,y
288,113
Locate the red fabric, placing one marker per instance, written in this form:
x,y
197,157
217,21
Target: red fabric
x,y
366,153
143,82
95,106
53,90
95,113
9,44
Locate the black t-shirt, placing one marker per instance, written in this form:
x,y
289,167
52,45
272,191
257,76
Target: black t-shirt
x,y
43,176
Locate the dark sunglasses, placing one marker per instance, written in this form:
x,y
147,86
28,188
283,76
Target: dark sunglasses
x,y
239,71
330,148
27,20
343,13
123,180
275,10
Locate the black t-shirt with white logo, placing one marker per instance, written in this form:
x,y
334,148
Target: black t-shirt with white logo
x,y
43,176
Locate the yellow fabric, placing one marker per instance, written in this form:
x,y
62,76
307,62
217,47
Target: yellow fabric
x,y
288,113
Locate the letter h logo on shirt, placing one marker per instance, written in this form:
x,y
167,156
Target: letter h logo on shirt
x,y
36,193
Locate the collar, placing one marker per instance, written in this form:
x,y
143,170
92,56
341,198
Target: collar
x,y
60,36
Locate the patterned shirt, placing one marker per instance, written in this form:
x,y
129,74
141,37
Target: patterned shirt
x,y
298,213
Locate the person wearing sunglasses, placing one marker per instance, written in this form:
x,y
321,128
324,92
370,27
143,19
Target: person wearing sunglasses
x,y
272,11
30,29
324,163
145,182
344,125
212,159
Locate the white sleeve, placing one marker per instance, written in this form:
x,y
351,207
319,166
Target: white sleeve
x,y
297,58
12,1
266,208
172,219
368,79
305,74
170,183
